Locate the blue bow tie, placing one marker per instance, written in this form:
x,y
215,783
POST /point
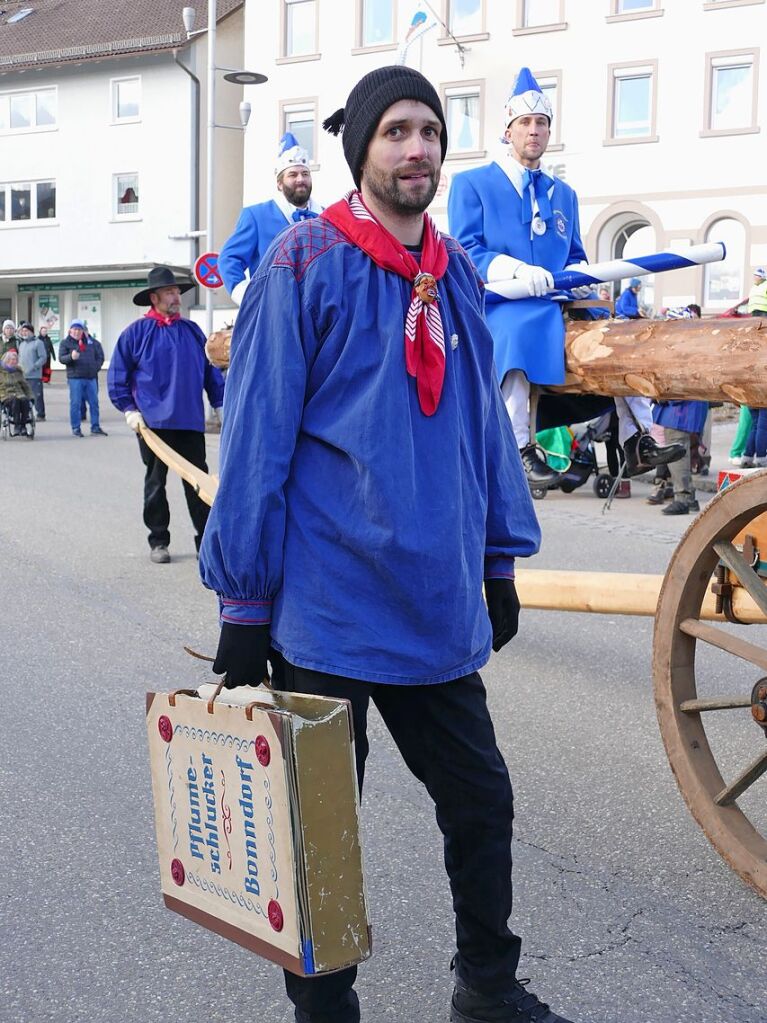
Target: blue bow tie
x,y
541,184
303,215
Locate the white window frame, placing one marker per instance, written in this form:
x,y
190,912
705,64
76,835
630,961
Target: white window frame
x,y
310,54
127,216
709,234
7,96
33,220
521,29
481,32
114,91
545,78
298,106
724,59
457,90
617,72
361,45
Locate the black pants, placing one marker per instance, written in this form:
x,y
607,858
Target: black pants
x,y
446,738
191,445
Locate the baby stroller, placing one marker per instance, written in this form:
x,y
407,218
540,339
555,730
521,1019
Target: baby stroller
x,y
583,459
17,418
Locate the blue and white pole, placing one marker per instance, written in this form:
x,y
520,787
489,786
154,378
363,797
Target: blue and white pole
x,y
617,270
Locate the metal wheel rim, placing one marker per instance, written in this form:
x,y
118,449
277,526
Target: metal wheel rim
x,y
693,762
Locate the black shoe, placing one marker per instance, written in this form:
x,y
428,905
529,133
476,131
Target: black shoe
x,y
519,1006
538,473
643,453
663,492
678,508
77,433
98,432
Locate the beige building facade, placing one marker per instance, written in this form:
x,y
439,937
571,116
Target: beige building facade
x,y
659,122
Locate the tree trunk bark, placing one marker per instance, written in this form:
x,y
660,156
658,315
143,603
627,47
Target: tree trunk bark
x,y
707,360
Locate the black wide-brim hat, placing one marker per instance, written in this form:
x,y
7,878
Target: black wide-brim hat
x,y
160,277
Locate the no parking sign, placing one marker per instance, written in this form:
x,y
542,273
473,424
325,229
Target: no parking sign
x,y
206,270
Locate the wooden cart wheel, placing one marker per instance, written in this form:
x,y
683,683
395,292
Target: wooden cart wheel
x,y
713,733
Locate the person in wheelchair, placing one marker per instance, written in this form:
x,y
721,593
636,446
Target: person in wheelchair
x,y
15,394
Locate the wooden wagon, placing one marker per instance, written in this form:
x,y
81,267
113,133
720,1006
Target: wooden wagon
x,y
713,596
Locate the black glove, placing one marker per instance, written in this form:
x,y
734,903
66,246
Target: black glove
x,y
242,654
503,608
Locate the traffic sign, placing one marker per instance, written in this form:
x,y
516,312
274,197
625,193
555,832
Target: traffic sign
x,y
206,271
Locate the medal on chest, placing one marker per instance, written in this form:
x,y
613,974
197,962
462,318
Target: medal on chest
x,y
539,226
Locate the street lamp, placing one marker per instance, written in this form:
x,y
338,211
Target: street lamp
x,y
238,77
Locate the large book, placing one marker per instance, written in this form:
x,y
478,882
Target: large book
x,y
257,820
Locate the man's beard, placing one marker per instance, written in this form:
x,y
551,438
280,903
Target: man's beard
x,y
386,188
297,195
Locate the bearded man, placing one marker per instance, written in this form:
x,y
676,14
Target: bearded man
x,y
259,225
369,485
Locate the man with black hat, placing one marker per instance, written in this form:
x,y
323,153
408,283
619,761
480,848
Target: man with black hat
x,y
369,485
156,377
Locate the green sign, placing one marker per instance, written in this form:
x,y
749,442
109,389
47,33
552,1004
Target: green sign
x,y
82,285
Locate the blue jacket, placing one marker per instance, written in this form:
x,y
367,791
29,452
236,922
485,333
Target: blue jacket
x,y
162,371
254,232
362,527
485,212
689,416
90,360
627,305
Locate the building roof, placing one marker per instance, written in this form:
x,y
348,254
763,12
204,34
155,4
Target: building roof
x,y
63,31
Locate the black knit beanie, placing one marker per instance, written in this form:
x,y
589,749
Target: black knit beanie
x,y
370,98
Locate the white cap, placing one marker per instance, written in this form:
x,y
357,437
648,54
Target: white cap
x,y
290,154
526,98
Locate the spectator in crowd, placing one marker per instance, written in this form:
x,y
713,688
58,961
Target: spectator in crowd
x,y
757,296
627,306
83,357
15,393
32,356
259,225
50,353
157,375
10,340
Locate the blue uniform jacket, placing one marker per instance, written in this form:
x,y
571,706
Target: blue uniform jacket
x,y
254,232
485,212
361,526
162,371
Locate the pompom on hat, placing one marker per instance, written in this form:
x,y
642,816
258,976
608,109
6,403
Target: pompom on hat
x,y
526,98
290,154
369,100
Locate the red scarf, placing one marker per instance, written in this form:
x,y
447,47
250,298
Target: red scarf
x,y
424,336
164,321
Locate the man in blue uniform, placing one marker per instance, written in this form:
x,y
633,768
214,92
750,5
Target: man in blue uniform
x,y
156,377
369,485
259,225
517,222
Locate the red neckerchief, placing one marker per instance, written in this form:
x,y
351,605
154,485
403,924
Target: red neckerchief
x,y
164,321
424,336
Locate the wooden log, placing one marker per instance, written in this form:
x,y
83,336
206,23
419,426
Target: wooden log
x,y
708,360
614,593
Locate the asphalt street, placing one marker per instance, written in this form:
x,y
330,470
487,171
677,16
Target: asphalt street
x,y
627,914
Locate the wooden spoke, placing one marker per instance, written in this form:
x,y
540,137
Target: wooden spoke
x,y
748,578
714,703
725,641
744,781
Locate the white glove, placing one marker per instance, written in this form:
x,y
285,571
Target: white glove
x,y
538,280
220,414
238,291
585,290
134,419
